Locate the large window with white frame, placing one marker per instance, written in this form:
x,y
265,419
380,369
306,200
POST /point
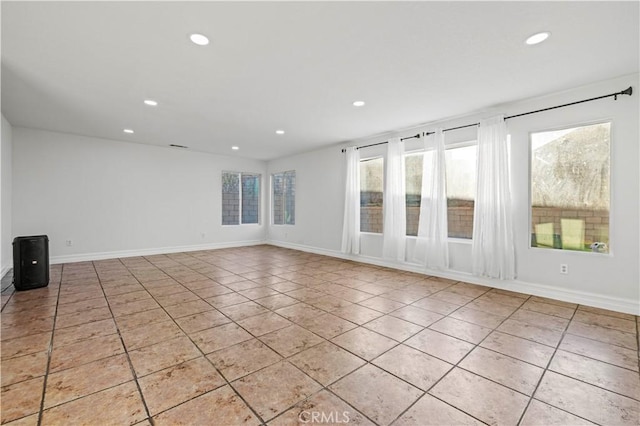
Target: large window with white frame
x,y
570,188
284,198
240,198
460,178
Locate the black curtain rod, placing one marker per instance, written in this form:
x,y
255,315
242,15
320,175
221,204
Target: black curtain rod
x,y
416,136
627,91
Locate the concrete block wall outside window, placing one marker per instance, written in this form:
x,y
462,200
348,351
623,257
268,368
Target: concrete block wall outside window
x,y
240,198
284,198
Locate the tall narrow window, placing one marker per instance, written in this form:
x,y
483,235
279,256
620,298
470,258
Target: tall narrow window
x,y
413,186
461,189
371,185
250,198
570,188
284,198
240,198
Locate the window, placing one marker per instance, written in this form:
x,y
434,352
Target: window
x,y
371,181
413,187
461,188
570,188
284,198
240,198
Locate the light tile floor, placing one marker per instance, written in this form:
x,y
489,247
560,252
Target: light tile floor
x,y
265,335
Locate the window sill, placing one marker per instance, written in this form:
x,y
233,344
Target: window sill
x,y
570,252
449,240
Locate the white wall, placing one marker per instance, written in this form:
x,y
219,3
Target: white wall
x,y
609,281
6,253
115,199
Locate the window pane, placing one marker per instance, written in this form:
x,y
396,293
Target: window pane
x,y
278,198
371,178
413,182
230,198
290,198
250,198
284,198
461,190
570,188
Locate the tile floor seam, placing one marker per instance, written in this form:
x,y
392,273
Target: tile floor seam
x,y
422,393
611,329
525,338
126,350
322,388
557,408
452,406
227,382
604,326
546,368
370,362
457,365
50,352
595,359
594,385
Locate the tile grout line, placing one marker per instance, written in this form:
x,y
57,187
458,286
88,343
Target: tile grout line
x,y
546,369
426,392
50,349
203,355
124,347
287,360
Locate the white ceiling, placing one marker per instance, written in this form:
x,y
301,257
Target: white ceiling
x,y
86,67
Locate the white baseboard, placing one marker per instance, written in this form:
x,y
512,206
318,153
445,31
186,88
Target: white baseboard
x,y
86,257
4,270
566,295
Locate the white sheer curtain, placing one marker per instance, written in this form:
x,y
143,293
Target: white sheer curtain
x,y
493,250
432,248
394,204
351,223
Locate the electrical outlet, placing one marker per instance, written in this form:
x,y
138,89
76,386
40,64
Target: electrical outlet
x,y
69,243
564,268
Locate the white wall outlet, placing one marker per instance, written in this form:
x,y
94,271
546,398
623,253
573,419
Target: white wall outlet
x,y
69,243
564,268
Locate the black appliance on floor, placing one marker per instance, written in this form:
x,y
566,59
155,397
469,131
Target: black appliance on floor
x,y
30,262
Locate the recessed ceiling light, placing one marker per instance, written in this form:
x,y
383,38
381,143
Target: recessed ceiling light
x,y
235,148
128,131
538,38
280,132
150,102
358,103
199,39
